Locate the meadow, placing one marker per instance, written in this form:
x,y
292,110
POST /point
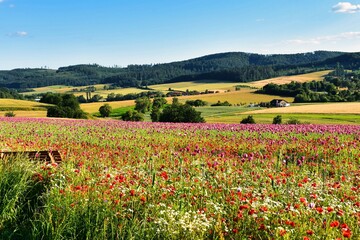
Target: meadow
x,y
121,180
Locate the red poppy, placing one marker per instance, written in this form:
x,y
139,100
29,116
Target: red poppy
x,y
334,224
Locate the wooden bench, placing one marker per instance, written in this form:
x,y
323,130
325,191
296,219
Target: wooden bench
x,y
45,156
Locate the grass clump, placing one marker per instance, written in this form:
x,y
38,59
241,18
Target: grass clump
x,y
22,186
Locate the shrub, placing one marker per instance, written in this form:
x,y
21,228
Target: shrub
x,y
277,119
226,103
10,114
196,103
105,110
293,121
248,120
133,116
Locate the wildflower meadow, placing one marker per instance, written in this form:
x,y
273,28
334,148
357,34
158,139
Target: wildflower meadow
x,y
123,180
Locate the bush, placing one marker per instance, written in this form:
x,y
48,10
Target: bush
x,y
226,103
277,119
293,121
10,114
105,110
248,120
196,103
133,116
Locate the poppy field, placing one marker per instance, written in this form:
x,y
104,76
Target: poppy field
x,y
123,180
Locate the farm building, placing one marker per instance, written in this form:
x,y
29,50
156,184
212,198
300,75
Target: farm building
x,y
279,103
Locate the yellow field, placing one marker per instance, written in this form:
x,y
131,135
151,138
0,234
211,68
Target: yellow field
x,y
317,76
94,107
32,114
105,93
21,104
348,108
198,86
244,96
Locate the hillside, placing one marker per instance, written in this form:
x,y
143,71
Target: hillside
x,y
15,104
232,66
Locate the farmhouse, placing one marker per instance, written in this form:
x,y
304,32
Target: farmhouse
x,y
279,103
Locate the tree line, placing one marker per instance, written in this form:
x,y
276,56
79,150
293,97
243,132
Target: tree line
x,y
338,86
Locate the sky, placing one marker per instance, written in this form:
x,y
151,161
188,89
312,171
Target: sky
x,y
55,33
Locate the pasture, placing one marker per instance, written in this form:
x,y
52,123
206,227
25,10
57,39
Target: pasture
x,y
121,180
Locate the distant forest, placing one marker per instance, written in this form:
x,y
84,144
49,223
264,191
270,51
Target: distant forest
x,y
233,66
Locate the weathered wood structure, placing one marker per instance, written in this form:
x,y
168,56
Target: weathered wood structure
x,y
44,156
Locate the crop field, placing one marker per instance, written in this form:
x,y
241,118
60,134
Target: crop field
x,y
317,76
14,104
28,113
94,107
196,85
121,180
99,90
244,96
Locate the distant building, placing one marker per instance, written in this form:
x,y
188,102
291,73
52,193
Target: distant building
x,y
279,103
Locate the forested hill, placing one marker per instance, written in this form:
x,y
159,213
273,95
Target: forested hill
x,y
232,66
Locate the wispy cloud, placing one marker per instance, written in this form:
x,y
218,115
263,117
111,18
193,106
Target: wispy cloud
x,y
331,38
346,7
18,34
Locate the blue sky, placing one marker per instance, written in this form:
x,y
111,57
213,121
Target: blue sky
x,y
54,33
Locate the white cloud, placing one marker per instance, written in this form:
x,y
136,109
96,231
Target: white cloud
x,y
331,38
19,34
346,7
1,1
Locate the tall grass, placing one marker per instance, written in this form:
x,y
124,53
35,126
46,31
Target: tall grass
x,y
21,189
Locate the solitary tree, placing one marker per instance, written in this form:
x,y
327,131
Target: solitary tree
x,y
105,110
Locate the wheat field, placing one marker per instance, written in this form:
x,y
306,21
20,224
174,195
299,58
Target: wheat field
x,y
94,107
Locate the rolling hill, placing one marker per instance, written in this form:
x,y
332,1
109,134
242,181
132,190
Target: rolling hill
x,y
231,66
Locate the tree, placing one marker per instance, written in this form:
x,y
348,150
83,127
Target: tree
x,y
105,110
95,98
277,119
134,116
196,103
178,112
155,114
143,104
159,102
248,120
66,106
